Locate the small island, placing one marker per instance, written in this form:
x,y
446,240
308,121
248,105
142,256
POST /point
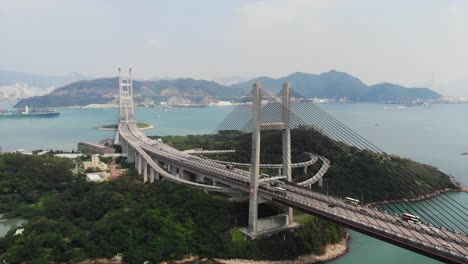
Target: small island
x,y
141,125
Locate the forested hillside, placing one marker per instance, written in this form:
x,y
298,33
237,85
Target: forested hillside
x,y
71,220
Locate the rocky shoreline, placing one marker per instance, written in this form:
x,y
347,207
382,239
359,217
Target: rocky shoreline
x,y
415,199
460,188
332,251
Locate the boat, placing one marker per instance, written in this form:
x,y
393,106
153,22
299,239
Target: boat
x,y
28,113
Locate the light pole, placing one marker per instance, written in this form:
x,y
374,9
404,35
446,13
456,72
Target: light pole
x,y
326,185
362,197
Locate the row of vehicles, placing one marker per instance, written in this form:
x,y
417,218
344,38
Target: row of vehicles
x,y
405,217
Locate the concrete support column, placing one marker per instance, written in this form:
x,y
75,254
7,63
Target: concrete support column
x,y
145,170
138,163
181,173
124,148
172,170
305,170
286,116
151,175
200,178
279,172
255,160
130,154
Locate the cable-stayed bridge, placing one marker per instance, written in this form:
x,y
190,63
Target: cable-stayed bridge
x,y
236,167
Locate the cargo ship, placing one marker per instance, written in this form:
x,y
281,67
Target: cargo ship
x,y
28,113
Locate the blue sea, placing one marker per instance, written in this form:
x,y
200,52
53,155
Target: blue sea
x,y
435,135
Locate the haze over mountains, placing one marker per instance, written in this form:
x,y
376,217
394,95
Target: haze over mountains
x,y
38,80
332,84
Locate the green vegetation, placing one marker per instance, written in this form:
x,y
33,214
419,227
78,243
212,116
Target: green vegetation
x,y
70,220
110,126
25,180
348,163
142,125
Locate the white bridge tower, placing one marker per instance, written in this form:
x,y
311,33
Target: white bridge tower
x,y
126,96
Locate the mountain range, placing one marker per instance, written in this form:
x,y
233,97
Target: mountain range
x,y
332,84
37,80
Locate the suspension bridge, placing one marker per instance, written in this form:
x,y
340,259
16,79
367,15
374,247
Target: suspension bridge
x,y
235,169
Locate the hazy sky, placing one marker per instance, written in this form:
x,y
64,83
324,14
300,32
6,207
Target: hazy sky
x,y
411,42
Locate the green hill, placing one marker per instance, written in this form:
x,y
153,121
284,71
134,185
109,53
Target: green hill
x,y
332,84
393,92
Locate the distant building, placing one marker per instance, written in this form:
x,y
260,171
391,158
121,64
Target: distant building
x,y
95,163
68,155
95,176
19,231
93,148
22,151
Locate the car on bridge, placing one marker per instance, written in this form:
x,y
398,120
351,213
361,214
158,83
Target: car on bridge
x,y
410,218
351,201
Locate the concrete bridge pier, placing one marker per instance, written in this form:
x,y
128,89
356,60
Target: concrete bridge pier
x,y
151,175
138,163
199,178
181,173
255,161
173,170
124,147
130,154
286,141
304,170
145,171
257,227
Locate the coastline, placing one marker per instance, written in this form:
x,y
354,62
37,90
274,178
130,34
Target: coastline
x,y
115,129
332,251
415,199
101,106
460,188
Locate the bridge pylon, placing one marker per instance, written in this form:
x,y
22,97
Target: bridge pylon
x,y
281,222
126,96
125,103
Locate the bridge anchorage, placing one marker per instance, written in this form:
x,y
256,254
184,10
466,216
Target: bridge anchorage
x,y
259,137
